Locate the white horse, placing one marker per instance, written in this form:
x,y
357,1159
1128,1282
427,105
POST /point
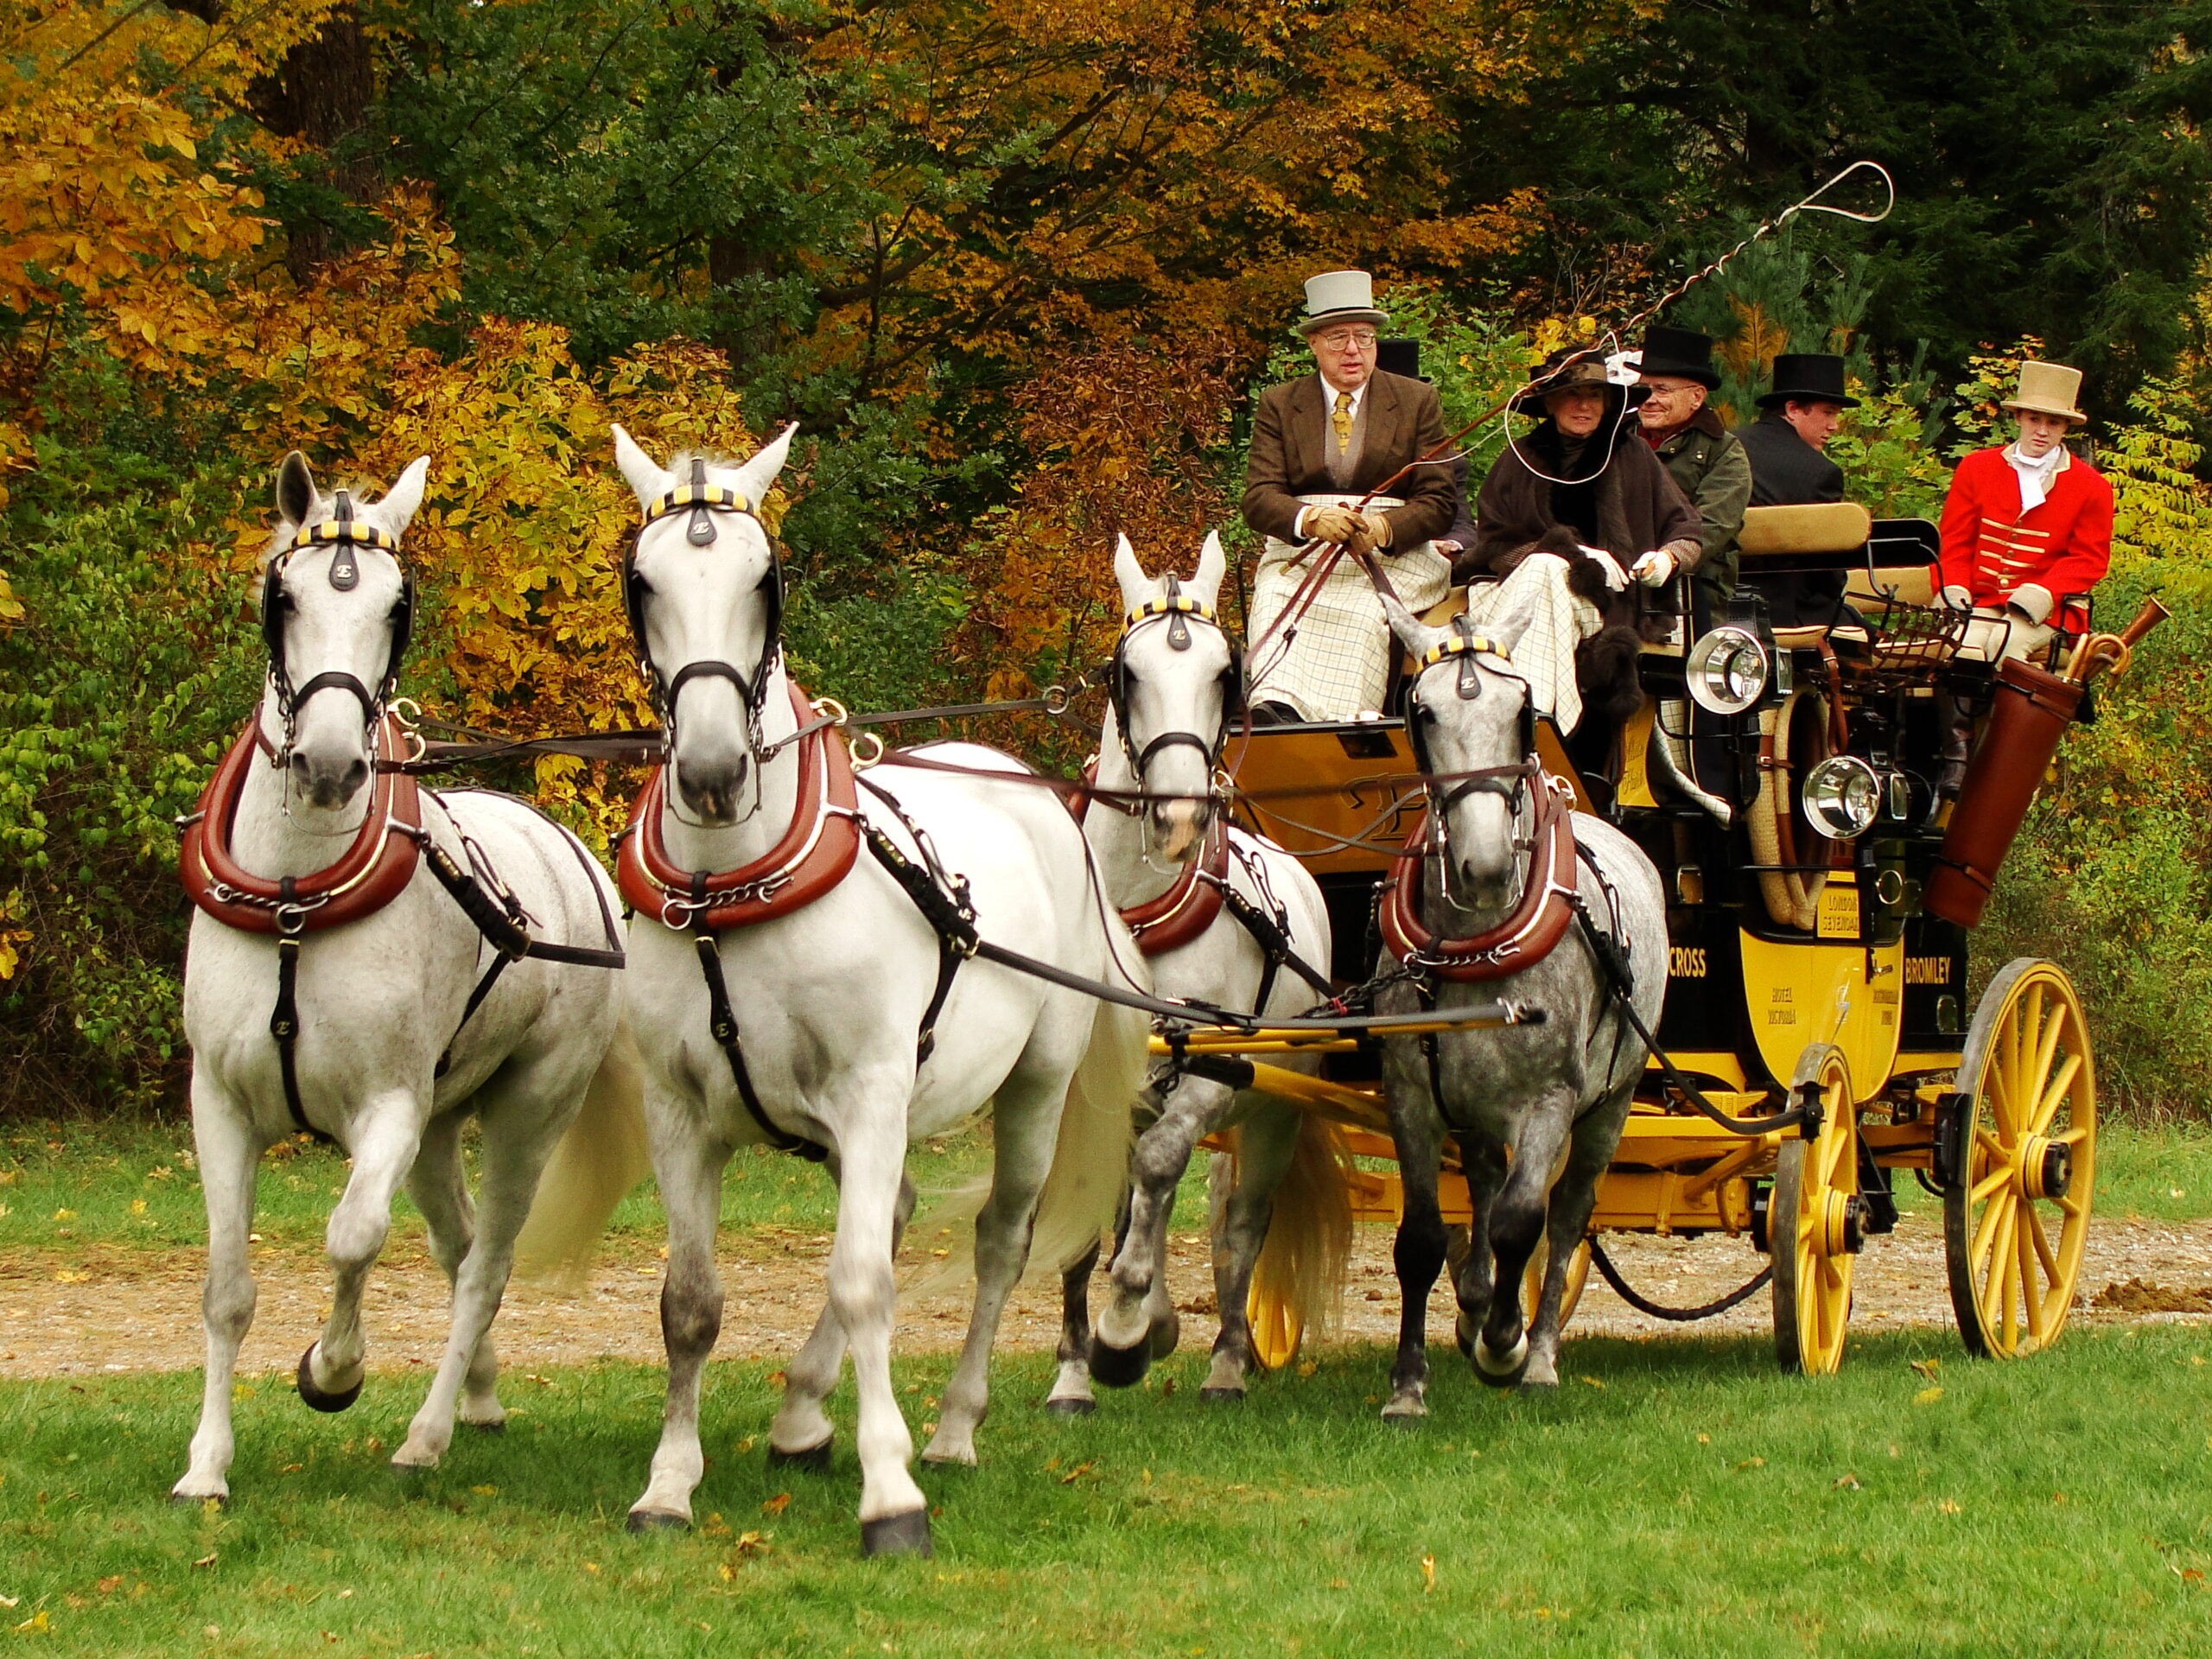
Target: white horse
x,y
825,1002
368,1031
1176,688
1537,1109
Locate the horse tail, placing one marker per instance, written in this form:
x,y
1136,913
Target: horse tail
x,y
1090,1160
1305,1260
604,1155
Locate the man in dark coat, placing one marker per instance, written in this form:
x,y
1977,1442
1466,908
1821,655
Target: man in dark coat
x,y
1796,420
1700,454
1320,445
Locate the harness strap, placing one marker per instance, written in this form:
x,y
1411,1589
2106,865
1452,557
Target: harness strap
x,y
943,901
284,1020
722,1021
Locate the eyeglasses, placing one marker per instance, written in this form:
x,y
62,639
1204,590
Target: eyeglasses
x,y
1345,340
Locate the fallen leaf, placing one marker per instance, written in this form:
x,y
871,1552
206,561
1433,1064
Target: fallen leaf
x,y
208,1560
1948,1507
752,1543
1705,1440
776,1379
776,1504
1927,1368
1338,1584
485,1491
291,1469
1752,1462
1428,1575
1847,1482
592,1568
67,1276
1307,1366
109,1584
37,1625
2058,1497
1593,1381
745,1444
1928,1396
1076,1473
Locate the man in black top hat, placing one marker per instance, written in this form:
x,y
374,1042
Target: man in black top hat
x,y
1796,419
1700,454
1402,357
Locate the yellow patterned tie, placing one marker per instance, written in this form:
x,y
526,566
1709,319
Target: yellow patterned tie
x,y
1340,423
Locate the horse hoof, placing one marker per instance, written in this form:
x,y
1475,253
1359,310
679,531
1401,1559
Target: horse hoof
x,y
497,1427
1166,1334
813,1459
1502,1370
1075,1405
190,1501
1464,1335
897,1534
657,1521
1119,1368
1413,1417
1539,1385
1223,1396
320,1399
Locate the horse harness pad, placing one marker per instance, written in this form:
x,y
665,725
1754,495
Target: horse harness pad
x,y
375,869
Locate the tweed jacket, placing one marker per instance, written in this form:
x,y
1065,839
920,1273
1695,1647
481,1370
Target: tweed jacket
x,y
1993,550
1403,420
1708,466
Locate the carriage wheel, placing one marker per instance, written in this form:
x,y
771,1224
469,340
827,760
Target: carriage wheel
x,y
2027,1162
1532,1281
1814,1222
1277,1328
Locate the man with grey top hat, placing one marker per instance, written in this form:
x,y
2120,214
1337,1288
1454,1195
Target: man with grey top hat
x,y
1796,420
1320,444
1703,457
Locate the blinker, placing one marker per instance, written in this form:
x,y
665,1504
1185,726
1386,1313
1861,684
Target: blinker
x,y
345,571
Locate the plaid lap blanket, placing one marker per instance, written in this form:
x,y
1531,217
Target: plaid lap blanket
x,y
1556,622
1333,663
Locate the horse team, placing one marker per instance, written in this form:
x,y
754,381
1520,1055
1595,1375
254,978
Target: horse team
x,y
838,962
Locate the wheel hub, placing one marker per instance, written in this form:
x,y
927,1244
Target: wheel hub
x,y
1842,1229
2046,1167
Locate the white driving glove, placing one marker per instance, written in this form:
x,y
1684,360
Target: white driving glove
x,y
1655,569
1616,578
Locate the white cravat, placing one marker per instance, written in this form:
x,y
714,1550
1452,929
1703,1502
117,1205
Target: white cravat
x,y
2036,476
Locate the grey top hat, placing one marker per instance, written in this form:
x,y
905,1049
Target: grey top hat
x,y
1338,297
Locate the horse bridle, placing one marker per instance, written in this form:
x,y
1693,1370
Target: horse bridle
x,y
1175,605
702,501
345,532
1469,647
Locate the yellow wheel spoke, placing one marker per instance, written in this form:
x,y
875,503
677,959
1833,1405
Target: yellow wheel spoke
x,y
1993,1283
1996,1089
2055,1096
2033,1222
2031,1297
1996,1181
2072,1137
1984,1231
2071,1205
2046,1051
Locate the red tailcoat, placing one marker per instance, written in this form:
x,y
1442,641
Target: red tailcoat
x,y
1991,550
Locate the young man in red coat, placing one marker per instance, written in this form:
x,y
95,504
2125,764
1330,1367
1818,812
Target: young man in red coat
x,y
2026,527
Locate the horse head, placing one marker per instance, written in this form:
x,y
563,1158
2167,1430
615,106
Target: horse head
x,y
1468,712
704,590
337,608
1177,684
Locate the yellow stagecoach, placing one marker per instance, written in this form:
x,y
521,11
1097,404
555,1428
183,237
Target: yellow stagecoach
x,y
1820,900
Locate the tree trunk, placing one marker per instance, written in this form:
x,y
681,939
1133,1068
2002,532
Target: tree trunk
x,y
321,97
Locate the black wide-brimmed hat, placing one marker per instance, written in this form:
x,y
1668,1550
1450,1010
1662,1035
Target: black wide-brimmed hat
x,y
1808,377
1573,366
1679,354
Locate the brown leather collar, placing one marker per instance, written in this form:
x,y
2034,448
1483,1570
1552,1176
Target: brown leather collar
x,y
1189,907
814,855
1524,939
372,871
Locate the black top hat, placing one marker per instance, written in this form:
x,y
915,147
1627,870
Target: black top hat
x,y
1399,356
1679,354
1573,366
1808,377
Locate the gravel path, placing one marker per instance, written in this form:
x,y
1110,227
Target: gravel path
x,y
119,1310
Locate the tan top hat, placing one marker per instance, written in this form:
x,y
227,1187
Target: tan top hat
x,y
1337,296
2050,389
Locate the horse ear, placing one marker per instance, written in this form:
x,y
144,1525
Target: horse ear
x,y
395,509
757,475
1213,563
1136,587
295,489
1505,635
1415,635
640,470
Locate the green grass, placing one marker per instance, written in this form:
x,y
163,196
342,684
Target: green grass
x,y
1677,1497
2159,1173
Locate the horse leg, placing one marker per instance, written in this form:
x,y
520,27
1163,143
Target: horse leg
x,y
387,1133
688,1160
1417,1253
1265,1145
1589,1150
802,1432
440,1188
1070,1395
1516,1222
1123,1346
519,1134
1476,1282
1025,1124
229,1151
864,1291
